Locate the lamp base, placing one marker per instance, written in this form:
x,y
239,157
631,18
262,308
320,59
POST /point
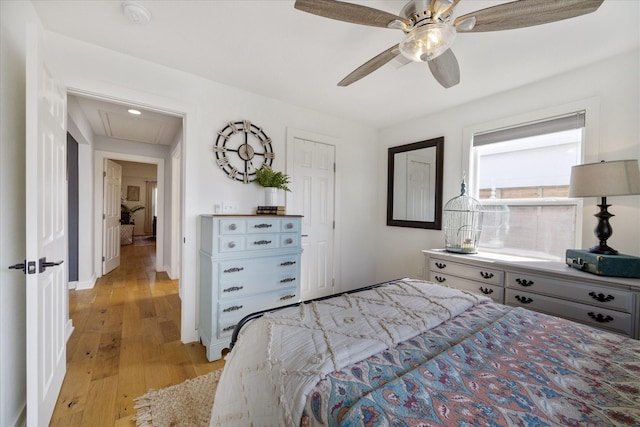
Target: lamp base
x,y
603,230
603,250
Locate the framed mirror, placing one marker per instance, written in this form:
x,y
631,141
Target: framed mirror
x,y
414,185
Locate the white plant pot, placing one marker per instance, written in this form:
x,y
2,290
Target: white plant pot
x,y
270,196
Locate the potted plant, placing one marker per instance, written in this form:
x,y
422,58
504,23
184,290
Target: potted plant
x,y
272,181
126,212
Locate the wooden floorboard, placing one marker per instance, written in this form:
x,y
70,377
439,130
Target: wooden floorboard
x,y
126,340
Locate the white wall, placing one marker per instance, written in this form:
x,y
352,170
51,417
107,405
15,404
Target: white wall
x,y
612,83
208,106
13,16
78,126
137,175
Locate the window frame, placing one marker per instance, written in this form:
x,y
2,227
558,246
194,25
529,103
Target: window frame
x,y
589,154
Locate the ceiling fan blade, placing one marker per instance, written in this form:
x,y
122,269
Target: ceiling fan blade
x,y
445,69
370,66
526,13
349,12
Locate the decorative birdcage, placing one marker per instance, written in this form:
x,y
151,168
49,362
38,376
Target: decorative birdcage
x,y
462,223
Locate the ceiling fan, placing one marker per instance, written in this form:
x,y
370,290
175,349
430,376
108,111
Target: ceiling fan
x,y
430,28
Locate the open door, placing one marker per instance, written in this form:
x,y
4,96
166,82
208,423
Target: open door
x,y
111,222
47,310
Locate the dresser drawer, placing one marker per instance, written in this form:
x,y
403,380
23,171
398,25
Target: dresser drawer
x,y
265,225
230,312
494,292
610,298
583,313
252,276
248,242
467,271
233,226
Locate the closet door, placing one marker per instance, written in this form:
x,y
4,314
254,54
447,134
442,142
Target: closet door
x,y
312,170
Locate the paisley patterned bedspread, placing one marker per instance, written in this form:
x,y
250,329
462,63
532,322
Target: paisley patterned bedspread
x,y
490,366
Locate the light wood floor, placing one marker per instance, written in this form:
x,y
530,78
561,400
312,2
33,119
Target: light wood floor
x,y
126,341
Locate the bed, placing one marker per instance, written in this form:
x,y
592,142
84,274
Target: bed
x,y
415,353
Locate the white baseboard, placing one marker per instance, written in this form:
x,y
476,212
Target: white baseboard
x,y
69,329
21,421
84,284
170,274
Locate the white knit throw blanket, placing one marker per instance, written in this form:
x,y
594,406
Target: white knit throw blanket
x,y
279,358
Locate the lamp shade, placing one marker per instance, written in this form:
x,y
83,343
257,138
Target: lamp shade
x,y
616,178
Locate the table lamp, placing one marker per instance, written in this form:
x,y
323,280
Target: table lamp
x,y
603,179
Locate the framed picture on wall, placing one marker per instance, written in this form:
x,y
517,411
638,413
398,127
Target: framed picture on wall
x,y
133,193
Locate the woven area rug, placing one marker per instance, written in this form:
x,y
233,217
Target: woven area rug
x,y
185,404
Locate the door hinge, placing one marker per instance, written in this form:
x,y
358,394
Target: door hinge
x,y
334,224
104,174
103,259
104,216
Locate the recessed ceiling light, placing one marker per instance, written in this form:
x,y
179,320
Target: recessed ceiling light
x,y
132,111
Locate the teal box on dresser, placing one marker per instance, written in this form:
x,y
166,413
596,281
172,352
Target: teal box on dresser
x,y
619,265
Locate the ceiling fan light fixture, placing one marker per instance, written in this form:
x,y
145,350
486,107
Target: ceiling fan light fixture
x,y
428,41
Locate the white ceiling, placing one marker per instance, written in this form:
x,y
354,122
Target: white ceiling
x,y
115,121
270,48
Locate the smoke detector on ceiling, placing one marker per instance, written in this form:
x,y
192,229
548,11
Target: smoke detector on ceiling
x,y
136,12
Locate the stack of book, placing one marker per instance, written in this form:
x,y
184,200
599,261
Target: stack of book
x,y
270,210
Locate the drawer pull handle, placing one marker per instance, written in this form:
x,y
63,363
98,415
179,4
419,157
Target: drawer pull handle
x,y
233,270
286,263
486,291
486,275
289,226
229,328
262,242
231,245
233,289
600,318
286,297
524,282
601,297
288,241
440,279
440,265
232,308
232,227
524,300
262,226
288,279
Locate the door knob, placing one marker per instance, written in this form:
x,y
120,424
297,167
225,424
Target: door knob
x,y
43,263
26,267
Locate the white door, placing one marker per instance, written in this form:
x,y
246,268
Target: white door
x,y
312,195
46,238
111,217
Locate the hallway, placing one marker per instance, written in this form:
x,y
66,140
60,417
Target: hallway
x,y
126,341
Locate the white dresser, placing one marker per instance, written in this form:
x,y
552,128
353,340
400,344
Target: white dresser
x,y
610,303
247,264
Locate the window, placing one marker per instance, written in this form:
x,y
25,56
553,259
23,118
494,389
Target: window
x,y
521,174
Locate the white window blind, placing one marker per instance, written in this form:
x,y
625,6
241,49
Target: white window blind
x,y
552,125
